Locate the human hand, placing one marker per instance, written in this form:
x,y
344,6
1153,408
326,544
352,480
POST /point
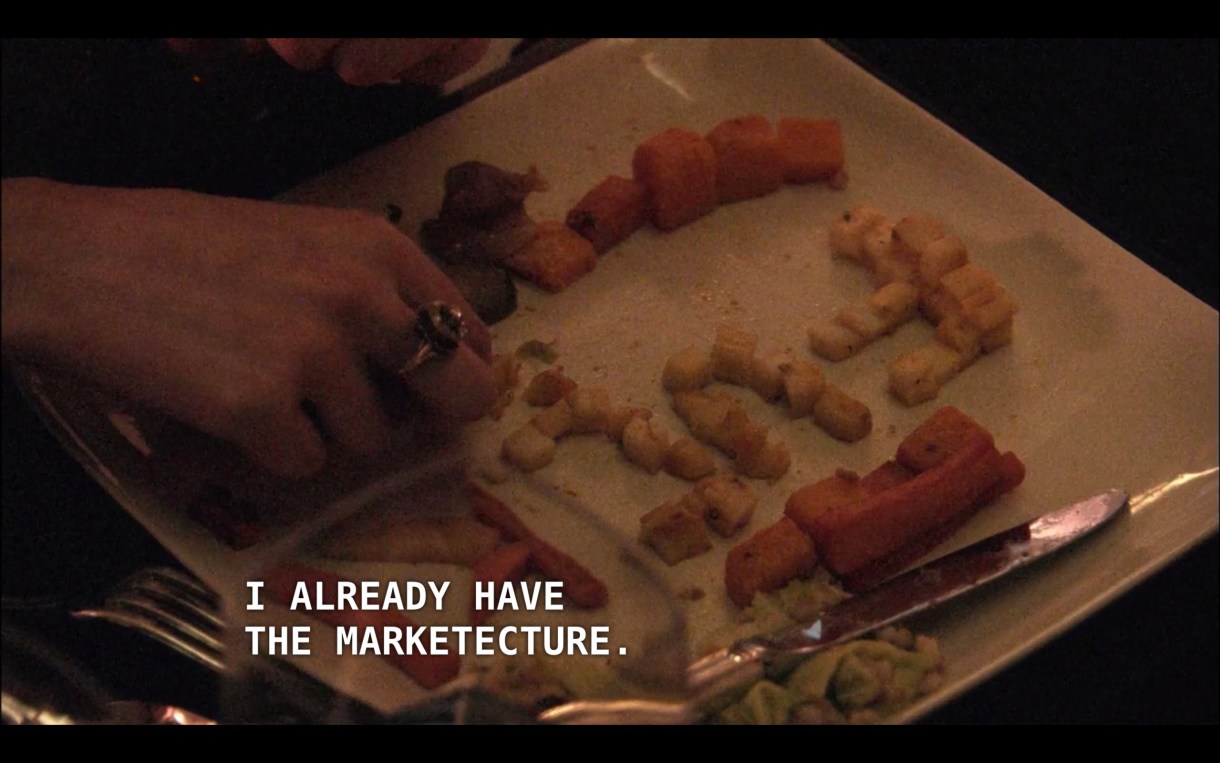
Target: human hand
x,y
228,314
369,61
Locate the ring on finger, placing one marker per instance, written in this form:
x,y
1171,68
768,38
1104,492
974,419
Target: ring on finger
x,y
438,330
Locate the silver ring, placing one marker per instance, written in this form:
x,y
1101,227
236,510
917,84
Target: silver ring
x,y
437,332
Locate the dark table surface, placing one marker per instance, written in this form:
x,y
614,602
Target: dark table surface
x,y
1122,132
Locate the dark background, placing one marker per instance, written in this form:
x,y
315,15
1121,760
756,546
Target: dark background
x,y
1122,132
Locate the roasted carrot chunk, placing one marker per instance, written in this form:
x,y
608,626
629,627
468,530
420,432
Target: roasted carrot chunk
x,y
854,535
613,210
767,560
505,564
678,167
748,159
555,259
812,149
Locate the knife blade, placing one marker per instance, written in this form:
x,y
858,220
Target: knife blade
x,y
721,677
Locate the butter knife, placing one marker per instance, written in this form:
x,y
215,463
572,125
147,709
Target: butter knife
x,y
721,677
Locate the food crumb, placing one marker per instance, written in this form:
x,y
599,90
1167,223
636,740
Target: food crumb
x,y
847,474
691,593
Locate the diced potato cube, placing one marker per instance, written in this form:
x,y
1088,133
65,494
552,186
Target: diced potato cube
x,y
831,341
877,245
770,462
862,321
913,234
997,337
619,418
895,302
939,257
528,449
675,530
591,409
548,387
733,355
555,421
803,385
678,167
740,436
704,414
967,280
690,368
893,266
956,333
688,459
729,503
937,305
767,376
748,160
847,232
842,416
645,443
985,311
917,376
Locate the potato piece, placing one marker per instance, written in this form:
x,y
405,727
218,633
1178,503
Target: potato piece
x,y
591,409
555,259
896,303
620,417
841,415
986,311
914,233
767,376
812,149
944,433
686,458
555,421
803,385
917,376
767,560
704,414
967,280
938,258
892,266
675,530
690,368
729,503
610,212
954,332
678,167
748,159
862,321
645,443
548,387
528,449
770,462
997,337
877,245
733,356
847,233
834,342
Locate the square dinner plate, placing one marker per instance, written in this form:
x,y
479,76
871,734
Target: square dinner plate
x,y
1111,380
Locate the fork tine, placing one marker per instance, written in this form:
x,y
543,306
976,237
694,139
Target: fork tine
x,y
172,608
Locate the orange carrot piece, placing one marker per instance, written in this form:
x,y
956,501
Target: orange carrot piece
x,y
555,259
854,535
506,563
428,670
678,167
613,210
580,585
767,560
945,432
812,149
814,499
748,159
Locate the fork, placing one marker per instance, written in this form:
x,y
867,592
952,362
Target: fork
x,y
172,607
